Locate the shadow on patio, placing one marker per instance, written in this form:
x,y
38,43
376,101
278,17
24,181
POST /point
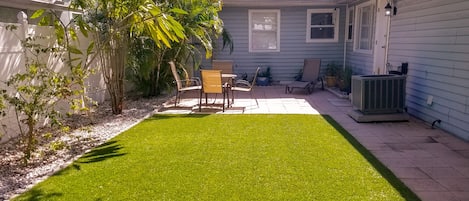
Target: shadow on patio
x,y
271,99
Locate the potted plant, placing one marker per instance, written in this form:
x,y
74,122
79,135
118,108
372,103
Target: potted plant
x,y
244,76
345,79
264,77
332,70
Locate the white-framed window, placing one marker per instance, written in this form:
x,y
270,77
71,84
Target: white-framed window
x,y
264,30
349,24
364,29
322,25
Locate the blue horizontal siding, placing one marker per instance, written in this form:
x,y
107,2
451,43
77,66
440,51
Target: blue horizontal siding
x,y
432,36
293,47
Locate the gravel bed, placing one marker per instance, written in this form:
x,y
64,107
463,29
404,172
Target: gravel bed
x,y
15,178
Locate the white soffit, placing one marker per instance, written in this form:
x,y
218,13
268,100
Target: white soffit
x,y
282,3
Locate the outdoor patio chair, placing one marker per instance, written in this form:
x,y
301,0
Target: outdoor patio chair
x,y
212,84
309,77
226,66
183,85
245,86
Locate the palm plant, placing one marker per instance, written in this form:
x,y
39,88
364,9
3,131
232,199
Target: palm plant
x,y
114,22
146,68
202,26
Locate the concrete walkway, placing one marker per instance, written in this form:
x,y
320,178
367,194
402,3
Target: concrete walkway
x,y
431,162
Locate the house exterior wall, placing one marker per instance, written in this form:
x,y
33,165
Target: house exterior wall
x,y
293,46
433,37
361,63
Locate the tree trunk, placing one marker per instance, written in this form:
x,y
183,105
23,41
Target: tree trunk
x,y
153,91
30,141
113,62
155,88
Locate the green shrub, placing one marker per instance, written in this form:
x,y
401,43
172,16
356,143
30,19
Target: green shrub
x,y
36,91
332,69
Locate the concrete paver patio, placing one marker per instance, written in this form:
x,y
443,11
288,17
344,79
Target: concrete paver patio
x,y
431,162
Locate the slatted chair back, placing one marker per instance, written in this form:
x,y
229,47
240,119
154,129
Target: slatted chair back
x,y
175,75
311,69
255,77
226,66
211,81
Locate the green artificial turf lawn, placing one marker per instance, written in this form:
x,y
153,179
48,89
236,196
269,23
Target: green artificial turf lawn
x,y
226,157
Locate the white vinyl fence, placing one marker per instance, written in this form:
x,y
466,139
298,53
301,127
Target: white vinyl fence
x,y
12,61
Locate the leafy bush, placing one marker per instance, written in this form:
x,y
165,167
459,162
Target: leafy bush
x,y
332,69
36,92
345,77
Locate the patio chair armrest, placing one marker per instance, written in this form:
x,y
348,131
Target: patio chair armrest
x,y
195,81
242,83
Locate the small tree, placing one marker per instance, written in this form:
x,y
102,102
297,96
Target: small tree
x,y
36,92
114,22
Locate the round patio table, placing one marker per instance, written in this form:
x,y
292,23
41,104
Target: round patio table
x,y
228,85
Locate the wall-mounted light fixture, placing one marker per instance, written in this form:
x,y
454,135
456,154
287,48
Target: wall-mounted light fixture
x,y
388,9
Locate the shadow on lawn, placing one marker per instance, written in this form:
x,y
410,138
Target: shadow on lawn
x,y
102,152
170,116
36,195
383,170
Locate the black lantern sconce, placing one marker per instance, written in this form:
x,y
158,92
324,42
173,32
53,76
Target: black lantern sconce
x,y
388,9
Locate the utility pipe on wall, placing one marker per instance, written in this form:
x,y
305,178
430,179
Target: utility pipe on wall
x,y
345,39
386,51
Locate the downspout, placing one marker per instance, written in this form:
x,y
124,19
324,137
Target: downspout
x,y
386,51
345,39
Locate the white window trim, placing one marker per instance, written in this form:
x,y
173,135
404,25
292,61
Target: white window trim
x,y
277,11
357,29
335,19
347,24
